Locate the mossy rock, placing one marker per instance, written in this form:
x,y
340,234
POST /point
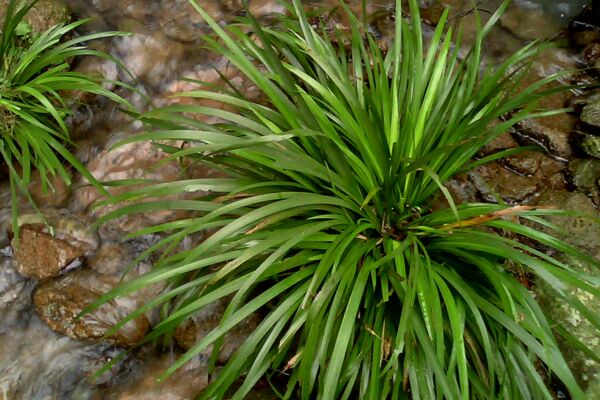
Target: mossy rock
x,y
585,176
585,369
589,144
591,112
45,14
584,233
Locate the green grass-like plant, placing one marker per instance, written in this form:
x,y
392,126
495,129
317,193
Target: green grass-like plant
x,y
326,225
34,79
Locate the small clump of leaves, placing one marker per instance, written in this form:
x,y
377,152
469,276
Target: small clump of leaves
x,y
35,77
326,224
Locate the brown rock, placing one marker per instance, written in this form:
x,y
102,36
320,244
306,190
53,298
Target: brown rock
x,y
195,328
41,256
58,302
584,38
502,142
518,178
552,132
532,163
54,196
591,53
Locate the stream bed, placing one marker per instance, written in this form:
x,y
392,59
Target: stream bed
x,y
46,354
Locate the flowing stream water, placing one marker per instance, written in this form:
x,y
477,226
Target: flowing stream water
x,y
35,361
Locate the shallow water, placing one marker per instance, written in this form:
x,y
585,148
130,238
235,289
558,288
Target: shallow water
x,y
37,363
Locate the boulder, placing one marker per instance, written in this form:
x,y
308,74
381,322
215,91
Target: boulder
x,y
42,256
58,303
50,242
551,132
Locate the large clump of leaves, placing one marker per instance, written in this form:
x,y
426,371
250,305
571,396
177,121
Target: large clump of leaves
x,y
35,77
326,225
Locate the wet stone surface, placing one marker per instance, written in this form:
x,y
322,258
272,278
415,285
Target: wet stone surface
x,y
60,301
199,325
43,361
46,250
590,114
583,232
585,176
36,362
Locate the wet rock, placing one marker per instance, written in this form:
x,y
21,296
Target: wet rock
x,y
148,56
183,23
14,292
132,161
591,54
115,259
44,15
527,163
502,142
50,242
493,180
462,190
198,326
37,363
585,369
588,144
585,176
72,228
585,38
518,178
185,383
591,112
587,20
551,132
260,8
58,302
212,77
527,21
54,196
580,231
42,256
